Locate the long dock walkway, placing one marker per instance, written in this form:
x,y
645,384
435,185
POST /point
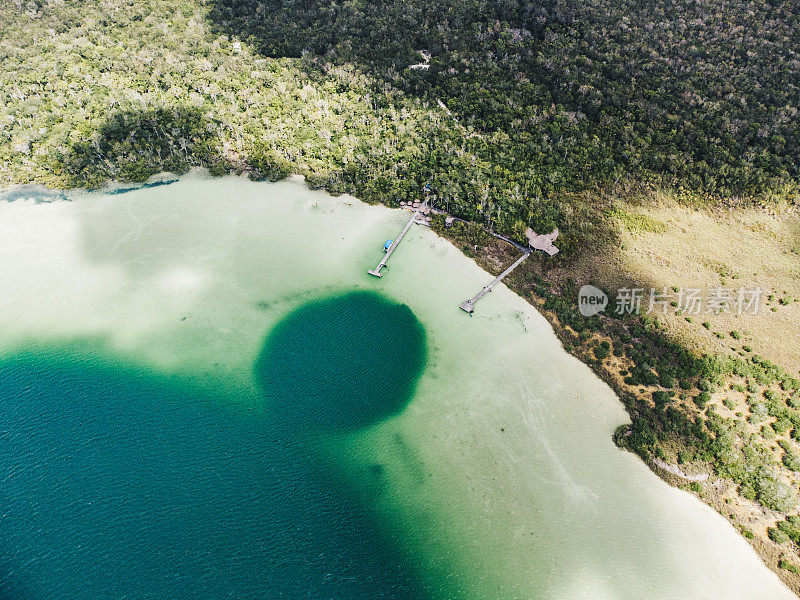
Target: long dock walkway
x,y
377,270
469,305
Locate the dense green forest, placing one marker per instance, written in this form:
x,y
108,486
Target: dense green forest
x,y
683,92
122,89
517,114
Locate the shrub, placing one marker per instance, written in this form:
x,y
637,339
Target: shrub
x,y
773,494
791,460
790,528
265,166
600,352
777,536
661,398
783,564
789,383
704,385
666,380
758,412
641,435
702,399
736,335
748,491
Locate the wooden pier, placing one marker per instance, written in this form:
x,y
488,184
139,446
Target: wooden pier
x,y
469,305
377,270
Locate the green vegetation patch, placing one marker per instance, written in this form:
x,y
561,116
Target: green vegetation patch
x,y
638,222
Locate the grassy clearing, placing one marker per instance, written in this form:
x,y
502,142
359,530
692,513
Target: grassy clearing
x,y
638,222
665,245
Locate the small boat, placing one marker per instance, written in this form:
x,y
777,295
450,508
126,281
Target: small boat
x,y
387,245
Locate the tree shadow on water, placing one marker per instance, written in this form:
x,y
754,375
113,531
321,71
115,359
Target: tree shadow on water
x,y
342,363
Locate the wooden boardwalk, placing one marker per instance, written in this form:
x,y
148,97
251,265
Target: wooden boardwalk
x,y
469,305
377,270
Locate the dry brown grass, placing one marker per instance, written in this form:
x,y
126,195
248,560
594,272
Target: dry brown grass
x,y
664,244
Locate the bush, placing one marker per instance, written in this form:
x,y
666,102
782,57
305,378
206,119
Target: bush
x,y
790,528
748,491
736,335
777,536
702,399
788,383
792,460
666,380
266,167
641,435
600,352
704,385
774,494
661,398
783,564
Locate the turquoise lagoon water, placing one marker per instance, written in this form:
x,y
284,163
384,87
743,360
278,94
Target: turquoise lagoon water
x,y
203,395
